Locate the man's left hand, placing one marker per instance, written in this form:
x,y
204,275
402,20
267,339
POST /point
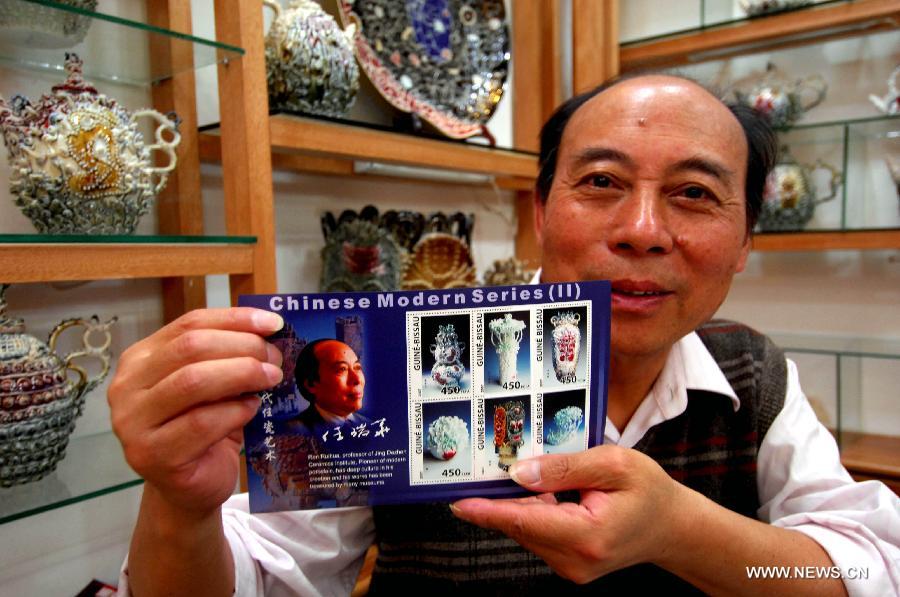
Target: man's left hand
x,y
628,512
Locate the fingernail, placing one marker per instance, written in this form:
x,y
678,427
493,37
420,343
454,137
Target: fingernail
x,y
456,511
273,355
273,373
527,472
266,321
252,401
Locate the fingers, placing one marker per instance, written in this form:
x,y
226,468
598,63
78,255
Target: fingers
x,y
538,525
207,345
238,319
199,335
186,438
602,468
204,382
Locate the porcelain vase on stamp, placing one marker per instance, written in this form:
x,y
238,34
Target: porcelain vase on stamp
x,y
509,430
506,335
566,344
447,350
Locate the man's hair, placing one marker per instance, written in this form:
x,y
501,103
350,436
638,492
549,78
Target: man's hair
x,y
762,144
306,371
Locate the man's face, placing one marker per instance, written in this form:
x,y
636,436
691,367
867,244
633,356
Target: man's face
x,y
649,194
341,380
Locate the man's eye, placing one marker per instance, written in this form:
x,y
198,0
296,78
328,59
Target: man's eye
x,y
695,193
600,181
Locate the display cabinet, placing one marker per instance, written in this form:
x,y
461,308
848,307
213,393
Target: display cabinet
x,y
851,383
146,59
853,46
161,58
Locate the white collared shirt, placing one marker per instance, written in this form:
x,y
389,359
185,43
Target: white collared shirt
x,y
801,483
800,480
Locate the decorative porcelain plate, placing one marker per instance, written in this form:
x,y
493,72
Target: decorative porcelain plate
x,y
443,60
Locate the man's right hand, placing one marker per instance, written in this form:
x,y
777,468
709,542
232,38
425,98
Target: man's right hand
x,y
180,398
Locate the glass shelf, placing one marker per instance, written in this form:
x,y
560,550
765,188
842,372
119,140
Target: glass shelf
x,y
851,384
688,16
677,34
879,348
93,466
138,239
104,46
859,149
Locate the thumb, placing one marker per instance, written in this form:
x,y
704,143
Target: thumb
x,y
602,467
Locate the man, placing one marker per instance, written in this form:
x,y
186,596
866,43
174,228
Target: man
x,y
651,183
329,375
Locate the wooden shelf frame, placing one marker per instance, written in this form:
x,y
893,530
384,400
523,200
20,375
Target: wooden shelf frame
x,y
864,240
800,27
57,262
313,145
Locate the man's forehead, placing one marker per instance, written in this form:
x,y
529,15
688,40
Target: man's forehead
x,y
659,103
652,94
335,350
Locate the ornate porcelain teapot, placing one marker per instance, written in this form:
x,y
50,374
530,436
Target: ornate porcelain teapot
x,y
310,66
889,103
790,197
79,163
781,99
38,401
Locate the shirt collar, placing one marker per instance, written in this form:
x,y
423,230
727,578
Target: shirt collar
x,y
698,369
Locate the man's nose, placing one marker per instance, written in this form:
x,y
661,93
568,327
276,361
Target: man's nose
x,y
641,224
355,377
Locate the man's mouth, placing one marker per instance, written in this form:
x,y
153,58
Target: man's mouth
x,y
640,293
637,293
638,288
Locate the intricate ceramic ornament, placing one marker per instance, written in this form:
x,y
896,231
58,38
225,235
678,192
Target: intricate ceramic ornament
x,y
439,261
310,66
566,345
448,369
79,164
781,99
508,272
38,401
890,102
761,7
443,60
360,265
28,24
789,197
446,437
509,429
506,334
566,422
360,256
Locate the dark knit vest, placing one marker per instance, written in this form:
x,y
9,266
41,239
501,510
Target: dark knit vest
x,y
425,550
